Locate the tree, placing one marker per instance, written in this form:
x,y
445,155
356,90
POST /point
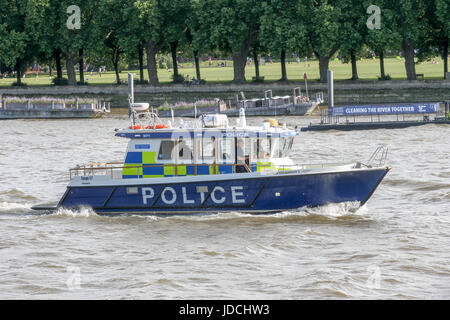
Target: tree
x,y
384,38
151,19
133,36
353,31
321,18
231,26
17,46
195,38
442,12
110,29
434,40
282,31
174,15
411,21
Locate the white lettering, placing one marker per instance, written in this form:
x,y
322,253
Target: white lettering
x,y
235,194
374,21
174,196
148,195
74,20
213,195
185,199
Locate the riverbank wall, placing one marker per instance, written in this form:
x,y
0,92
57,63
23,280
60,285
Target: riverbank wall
x,y
345,92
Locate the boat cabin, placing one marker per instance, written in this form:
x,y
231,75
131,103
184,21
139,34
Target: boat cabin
x,y
167,152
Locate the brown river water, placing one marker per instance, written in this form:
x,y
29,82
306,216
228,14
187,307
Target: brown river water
x,y
394,247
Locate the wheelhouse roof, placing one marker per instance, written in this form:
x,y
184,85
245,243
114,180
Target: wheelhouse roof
x,y
206,132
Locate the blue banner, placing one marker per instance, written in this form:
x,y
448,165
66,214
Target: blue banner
x,y
418,108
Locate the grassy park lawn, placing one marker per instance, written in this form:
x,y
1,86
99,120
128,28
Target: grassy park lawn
x,y
367,70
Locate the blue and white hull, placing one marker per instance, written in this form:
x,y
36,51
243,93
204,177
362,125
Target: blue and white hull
x,y
245,192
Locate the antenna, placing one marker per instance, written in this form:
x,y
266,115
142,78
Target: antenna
x,y
130,96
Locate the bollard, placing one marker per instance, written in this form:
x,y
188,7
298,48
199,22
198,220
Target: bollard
x,y
330,90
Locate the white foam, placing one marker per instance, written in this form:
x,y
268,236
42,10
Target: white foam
x,y
13,207
83,212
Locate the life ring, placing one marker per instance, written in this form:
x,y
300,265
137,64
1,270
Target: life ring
x,y
135,127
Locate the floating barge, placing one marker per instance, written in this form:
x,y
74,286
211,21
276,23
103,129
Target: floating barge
x,y
380,117
51,108
294,105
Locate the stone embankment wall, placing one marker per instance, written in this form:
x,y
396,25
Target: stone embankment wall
x,y
345,92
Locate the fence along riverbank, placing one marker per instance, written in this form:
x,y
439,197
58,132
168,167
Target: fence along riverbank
x,y
13,107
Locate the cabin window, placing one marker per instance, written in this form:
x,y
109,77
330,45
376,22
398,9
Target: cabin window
x,y
282,146
262,148
208,148
185,147
165,150
226,151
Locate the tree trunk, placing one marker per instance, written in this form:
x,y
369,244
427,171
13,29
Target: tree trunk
x,y
239,60
19,71
57,55
323,67
354,67
255,59
141,62
408,51
445,56
151,64
81,65
381,54
115,60
197,64
70,65
173,50
283,65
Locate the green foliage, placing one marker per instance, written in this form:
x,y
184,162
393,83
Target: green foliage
x,y
177,78
282,27
34,31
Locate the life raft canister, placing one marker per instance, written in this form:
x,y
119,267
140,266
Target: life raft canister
x,y
272,122
158,126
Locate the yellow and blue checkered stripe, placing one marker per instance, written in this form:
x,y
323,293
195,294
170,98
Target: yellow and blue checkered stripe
x,y
143,165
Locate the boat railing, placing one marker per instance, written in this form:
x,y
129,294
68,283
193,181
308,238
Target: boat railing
x,y
378,157
115,169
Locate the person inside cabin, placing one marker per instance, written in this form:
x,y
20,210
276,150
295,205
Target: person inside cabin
x,y
241,158
184,151
262,154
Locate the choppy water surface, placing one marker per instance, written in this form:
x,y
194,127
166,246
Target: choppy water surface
x,y
394,247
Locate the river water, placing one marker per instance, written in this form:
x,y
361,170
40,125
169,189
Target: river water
x,y
394,247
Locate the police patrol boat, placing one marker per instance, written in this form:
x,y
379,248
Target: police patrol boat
x,y
214,166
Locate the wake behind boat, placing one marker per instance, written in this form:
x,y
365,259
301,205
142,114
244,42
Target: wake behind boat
x,y
213,166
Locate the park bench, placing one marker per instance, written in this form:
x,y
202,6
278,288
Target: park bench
x,y
419,75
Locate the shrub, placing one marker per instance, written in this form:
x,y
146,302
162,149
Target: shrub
x,y
385,78
60,81
16,84
136,81
177,78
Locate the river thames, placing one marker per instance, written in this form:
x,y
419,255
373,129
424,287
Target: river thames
x,y
394,247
